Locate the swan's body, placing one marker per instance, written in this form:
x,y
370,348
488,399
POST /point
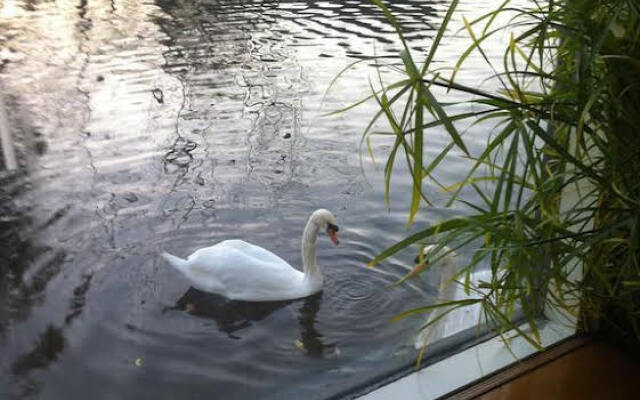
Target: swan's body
x,y
242,271
446,291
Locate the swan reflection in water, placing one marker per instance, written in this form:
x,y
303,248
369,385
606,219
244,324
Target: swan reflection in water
x,y
232,316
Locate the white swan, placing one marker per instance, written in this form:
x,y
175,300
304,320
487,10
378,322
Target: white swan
x,y
446,291
242,271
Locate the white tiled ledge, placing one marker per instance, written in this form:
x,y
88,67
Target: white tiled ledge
x,y
469,365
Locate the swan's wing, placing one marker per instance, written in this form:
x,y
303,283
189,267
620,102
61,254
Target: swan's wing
x,y
241,270
236,257
252,251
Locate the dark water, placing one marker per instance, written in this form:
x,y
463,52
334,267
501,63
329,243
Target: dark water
x,y
144,126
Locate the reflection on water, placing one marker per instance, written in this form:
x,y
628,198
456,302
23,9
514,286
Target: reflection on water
x,y
311,341
233,316
230,315
46,351
172,125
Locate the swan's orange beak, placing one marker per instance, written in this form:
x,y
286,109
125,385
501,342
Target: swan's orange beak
x,y
332,231
334,237
419,268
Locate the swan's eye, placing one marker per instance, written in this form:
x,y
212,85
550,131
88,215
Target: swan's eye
x,y
333,227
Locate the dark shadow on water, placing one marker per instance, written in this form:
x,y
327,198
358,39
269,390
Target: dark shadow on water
x,y
49,346
45,351
311,340
27,265
232,316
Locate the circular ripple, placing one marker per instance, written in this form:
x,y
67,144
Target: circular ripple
x,y
358,292
360,302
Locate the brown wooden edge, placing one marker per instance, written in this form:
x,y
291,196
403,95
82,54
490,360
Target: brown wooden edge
x,y
519,368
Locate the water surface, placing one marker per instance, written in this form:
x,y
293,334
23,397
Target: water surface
x,y
172,125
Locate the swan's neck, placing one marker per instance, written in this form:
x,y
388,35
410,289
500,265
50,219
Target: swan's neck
x,y
311,270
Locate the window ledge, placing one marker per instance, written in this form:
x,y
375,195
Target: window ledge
x,y
463,368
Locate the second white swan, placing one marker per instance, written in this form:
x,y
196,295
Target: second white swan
x,y
242,271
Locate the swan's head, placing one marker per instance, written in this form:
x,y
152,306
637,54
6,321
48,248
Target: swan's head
x,y
426,254
324,217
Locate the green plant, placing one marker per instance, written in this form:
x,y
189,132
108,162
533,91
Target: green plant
x,y
559,180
